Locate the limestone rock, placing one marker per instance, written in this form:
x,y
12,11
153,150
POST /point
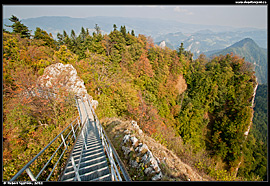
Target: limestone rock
x,y
157,177
63,76
149,171
94,104
134,124
126,150
148,159
141,155
136,127
134,164
142,148
126,139
134,141
162,44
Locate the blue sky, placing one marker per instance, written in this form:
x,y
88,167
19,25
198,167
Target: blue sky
x,y
230,15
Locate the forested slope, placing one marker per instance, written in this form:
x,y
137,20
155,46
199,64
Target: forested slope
x,y
256,147
253,53
131,78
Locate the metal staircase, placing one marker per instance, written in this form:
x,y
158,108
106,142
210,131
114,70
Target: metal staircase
x,y
88,160
92,157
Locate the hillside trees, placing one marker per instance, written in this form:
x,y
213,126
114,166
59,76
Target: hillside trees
x,y
133,79
118,66
47,38
222,89
255,150
29,120
215,110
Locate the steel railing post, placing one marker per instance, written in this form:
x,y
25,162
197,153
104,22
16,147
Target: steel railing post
x,y
84,139
73,131
111,162
75,169
79,123
78,106
63,140
30,174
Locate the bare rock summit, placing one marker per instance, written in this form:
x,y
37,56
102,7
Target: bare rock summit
x,y
64,76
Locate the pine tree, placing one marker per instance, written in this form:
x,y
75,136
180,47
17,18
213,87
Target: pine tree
x,y
60,39
66,39
19,28
180,49
114,27
123,31
132,33
65,34
98,30
83,34
73,35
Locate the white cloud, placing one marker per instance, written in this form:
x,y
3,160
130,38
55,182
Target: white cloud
x,y
182,10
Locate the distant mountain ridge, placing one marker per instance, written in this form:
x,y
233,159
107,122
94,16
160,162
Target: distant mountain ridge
x,y
206,40
249,49
147,26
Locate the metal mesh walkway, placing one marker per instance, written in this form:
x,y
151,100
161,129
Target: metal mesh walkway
x,y
90,163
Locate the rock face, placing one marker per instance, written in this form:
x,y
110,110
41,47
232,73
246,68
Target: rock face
x,y
59,76
162,44
140,160
139,155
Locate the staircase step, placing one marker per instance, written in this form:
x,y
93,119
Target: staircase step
x,y
89,148
87,152
86,160
93,162
95,174
92,166
89,172
106,177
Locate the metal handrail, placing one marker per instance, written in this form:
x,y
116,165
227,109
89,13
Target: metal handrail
x,y
116,166
110,151
73,129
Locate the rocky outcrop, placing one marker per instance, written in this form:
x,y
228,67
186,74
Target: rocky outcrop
x,y
143,157
63,77
139,155
162,44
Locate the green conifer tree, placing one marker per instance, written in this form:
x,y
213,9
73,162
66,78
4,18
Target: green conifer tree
x,y
114,27
98,29
19,28
132,33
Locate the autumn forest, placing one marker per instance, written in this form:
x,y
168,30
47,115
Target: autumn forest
x,y
198,108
